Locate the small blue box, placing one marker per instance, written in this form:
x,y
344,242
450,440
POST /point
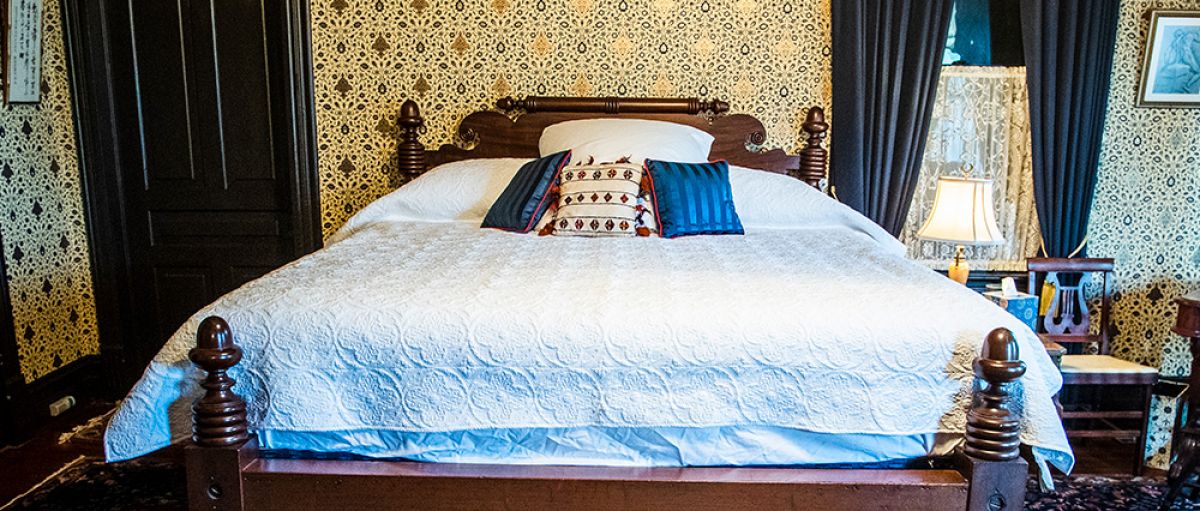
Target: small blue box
x,y
1023,306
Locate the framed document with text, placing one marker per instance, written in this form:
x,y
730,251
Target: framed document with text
x,y
22,50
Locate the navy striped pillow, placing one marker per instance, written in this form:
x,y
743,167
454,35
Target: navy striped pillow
x,y
527,196
692,198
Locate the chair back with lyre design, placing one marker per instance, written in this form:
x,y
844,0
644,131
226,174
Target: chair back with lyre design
x,y
1068,320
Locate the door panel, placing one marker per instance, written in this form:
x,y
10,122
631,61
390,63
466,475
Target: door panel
x,y
202,98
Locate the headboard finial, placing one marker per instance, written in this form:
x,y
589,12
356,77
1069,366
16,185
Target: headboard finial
x,y
410,153
814,158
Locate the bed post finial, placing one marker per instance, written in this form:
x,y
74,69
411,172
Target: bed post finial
x,y
814,158
993,428
990,456
219,417
410,153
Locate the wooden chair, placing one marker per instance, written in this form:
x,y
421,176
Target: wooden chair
x,y
1067,322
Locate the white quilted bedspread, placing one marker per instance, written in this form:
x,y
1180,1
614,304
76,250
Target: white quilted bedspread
x,y
406,324
423,326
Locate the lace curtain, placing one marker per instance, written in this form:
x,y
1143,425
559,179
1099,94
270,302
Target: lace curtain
x,y
980,118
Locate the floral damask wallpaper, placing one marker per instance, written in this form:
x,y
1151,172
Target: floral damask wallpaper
x,y
1146,213
766,57
41,215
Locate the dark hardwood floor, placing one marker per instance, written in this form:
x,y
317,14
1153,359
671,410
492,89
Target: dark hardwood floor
x,y
25,465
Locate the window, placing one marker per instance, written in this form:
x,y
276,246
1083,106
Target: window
x,y
985,33
980,122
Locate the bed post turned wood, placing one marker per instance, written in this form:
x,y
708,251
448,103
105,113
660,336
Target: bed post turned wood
x,y
990,457
221,445
814,159
410,152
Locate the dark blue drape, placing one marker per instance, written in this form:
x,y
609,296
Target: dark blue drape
x,y
1068,60
887,55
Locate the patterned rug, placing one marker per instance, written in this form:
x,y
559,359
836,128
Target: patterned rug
x,y
154,485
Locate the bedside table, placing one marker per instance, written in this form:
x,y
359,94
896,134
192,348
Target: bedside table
x,y
1187,437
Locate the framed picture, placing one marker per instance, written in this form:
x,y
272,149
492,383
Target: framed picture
x,y
22,50
1171,67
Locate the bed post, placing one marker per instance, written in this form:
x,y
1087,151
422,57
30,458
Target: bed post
x,y
410,153
221,445
991,457
814,158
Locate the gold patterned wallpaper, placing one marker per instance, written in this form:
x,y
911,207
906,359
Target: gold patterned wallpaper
x,y
1145,212
767,57
41,215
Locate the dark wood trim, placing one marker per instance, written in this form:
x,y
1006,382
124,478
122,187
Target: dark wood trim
x,y
86,26
302,157
513,129
85,33
226,473
11,379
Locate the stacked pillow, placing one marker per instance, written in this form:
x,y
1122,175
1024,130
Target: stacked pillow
x,y
658,179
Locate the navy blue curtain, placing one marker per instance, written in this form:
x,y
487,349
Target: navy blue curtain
x,y
887,55
1068,61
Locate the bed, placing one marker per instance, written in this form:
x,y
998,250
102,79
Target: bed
x,y
805,365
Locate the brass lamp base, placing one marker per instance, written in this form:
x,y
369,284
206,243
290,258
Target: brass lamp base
x,y
960,271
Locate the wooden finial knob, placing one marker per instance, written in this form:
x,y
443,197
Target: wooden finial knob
x,y
219,417
993,427
410,115
214,334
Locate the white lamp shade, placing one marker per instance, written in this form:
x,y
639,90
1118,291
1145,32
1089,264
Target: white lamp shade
x,y
963,212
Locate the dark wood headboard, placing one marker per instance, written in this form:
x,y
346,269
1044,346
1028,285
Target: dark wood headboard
x,y
513,130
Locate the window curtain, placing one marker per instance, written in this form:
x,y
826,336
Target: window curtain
x,y
980,118
886,58
1068,56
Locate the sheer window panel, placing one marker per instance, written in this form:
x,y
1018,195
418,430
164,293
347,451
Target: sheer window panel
x,y
980,118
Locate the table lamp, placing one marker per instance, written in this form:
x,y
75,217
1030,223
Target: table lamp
x,y
963,213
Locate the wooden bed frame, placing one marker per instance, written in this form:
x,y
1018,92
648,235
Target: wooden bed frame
x,y
226,472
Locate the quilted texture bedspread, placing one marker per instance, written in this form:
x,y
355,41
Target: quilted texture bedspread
x,y
415,320
422,326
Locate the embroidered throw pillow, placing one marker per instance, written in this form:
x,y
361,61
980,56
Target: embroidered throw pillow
x,y
598,200
527,196
692,198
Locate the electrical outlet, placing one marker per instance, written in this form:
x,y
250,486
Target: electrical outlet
x,y
62,405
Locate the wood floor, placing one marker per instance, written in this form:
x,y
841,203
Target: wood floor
x,y
23,466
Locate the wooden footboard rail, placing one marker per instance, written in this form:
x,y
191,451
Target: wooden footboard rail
x,y
225,473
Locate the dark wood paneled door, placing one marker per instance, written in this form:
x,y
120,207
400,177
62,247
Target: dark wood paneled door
x,y
212,183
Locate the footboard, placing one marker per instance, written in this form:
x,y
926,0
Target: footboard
x,y
225,472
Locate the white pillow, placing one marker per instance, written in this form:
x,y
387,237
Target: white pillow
x,y
608,140
769,200
458,191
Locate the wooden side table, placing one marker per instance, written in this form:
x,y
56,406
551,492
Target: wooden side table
x,y
1187,437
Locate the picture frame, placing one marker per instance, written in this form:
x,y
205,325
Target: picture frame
x,y
1171,61
22,50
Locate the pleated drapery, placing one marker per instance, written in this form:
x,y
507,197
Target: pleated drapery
x,y
1068,58
887,55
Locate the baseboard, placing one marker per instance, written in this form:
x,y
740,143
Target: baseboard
x,y
31,401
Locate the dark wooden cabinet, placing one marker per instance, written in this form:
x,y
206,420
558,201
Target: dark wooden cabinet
x,y
196,134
